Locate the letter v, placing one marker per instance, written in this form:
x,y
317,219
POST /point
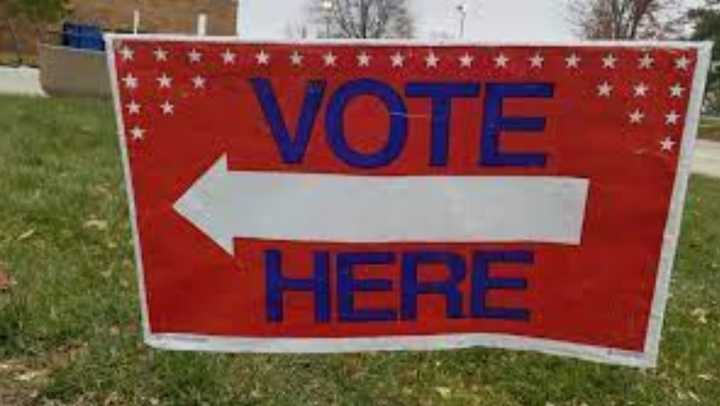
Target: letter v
x,y
292,149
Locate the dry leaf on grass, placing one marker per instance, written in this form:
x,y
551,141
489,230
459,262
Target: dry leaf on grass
x,y
31,375
701,315
443,391
96,224
27,234
6,281
11,365
112,399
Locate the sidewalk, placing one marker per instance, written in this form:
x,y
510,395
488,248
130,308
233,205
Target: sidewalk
x,y
707,158
23,81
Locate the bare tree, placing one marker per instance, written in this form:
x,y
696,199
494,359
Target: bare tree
x,y
705,21
625,19
361,18
17,46
296,31
19,15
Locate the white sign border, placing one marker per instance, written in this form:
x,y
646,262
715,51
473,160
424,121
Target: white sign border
x,y
646,359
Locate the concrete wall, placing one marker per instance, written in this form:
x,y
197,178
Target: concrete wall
x,y
20,81
73,72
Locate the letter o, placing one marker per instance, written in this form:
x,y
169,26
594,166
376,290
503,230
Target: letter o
x,y
335,118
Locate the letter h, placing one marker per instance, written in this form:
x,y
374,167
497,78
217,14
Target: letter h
x,y
277,284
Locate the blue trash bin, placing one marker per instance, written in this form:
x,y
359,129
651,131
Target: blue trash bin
x,y
83,36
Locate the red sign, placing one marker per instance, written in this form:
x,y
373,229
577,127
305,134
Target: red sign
x,y
351,196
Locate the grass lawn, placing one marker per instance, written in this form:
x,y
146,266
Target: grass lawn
x,y
69,321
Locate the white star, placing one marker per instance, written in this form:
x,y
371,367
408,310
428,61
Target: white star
x,y
641,90
466,60
398,60
228,57
167,108
609,61
536,61
637,116
263,58
330,59
672,118
667,144
194,56
199,82
127,54
137,133
646,62
431,60
296,58
364,59
677,90
501,61
133,107
161,55
572,61
131,82
682,63
165,81
604,89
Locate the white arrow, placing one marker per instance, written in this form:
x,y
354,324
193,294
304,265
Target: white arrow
x,y
338,208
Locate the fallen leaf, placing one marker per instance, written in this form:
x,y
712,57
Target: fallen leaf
x,y
6,281
705,377
693,396
96,224
114,331
112,399
443,391
701,315
27,234
30,376
104,190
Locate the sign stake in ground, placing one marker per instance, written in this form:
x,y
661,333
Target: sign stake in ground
x,y
356,196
